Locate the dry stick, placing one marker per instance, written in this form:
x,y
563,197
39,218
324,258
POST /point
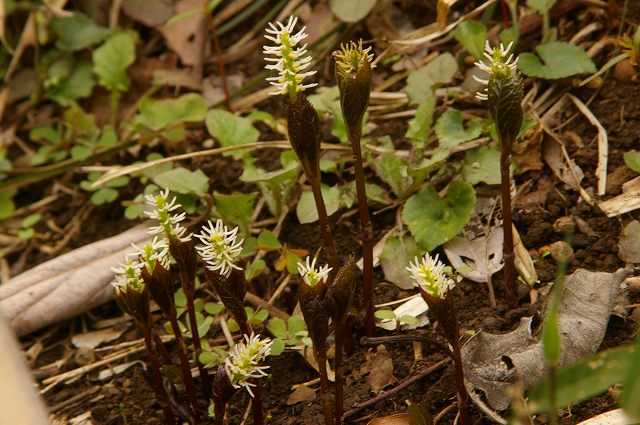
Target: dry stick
x,y
509,256
413,378
366,235
325,228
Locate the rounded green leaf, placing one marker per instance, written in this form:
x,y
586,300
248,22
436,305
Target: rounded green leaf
x,y
230,129
556,60
351,10
434,220
385,314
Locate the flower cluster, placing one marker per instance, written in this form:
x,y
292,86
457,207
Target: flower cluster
x,y
152,253
497,66
242,362
428,274
289,60
220,250
310,274
168,223
351,57
128,276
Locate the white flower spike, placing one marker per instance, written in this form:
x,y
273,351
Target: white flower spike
x,y
154,252
242,362
161,210
428,274
288,59
496,65
310,274
220,250
128,275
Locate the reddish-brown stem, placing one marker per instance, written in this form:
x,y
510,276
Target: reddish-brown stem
x,y
321,358
509,256
325,228
463,397
256,402
218,49
154,366
184,366
366,235
339,384
219,409
195,337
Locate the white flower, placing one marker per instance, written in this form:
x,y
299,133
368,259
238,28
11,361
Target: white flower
x,y
155,252
351,56
242,362
220,250
429,275
496,65
161,210
310,274
127,275
289,60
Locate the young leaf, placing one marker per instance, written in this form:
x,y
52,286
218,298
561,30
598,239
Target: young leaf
x,y
385,315
472,35
278,328
632,160
236,208
7,206
351,10
556,60
181,180
421,81
111,60
267,241
162,113
393,170
451,132
434,220
420,125
231,130
77,32
306,208
541,6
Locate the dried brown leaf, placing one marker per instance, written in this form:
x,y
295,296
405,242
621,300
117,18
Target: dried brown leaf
x,y
302,393
379,366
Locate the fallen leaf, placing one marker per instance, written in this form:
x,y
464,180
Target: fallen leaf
x,y
150,12
302,393
493,362
95,338
379,366
564,168
629,245
415,307
395,258
482,254
187,36
612,417
397,419
118,369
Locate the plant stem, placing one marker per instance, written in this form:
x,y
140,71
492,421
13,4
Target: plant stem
x,y
366,236
184,365
325,228
256,402
463,397
154,365
219,409
218,49
553,419
339,383
195,336
321,358
507,226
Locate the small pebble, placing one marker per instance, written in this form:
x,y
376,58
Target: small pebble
x,y
564,225
633,283
561,251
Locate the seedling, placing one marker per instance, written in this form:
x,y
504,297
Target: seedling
x,y
503,94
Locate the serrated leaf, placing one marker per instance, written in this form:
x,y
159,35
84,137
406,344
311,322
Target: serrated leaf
x,y
421,81
556,60
111,60
236,208
231,130
184,181
351,10
306,208
451,131
482,164
77,32
162,113
434,220
472,35
632,160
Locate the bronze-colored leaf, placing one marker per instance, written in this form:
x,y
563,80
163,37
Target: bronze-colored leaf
x,y
304,133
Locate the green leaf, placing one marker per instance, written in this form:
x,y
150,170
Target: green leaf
x,y
7,206
556,60
296,324
66,85
231,130
351,10
631,392
482,164
236,208
306,208
104,196
451,132
551,344
77,32
254,269
393,170
277,347
472,36
542,6
434,220
632,160
395,257
385,315
181,180
30,220
134,211
111,60
213,308
421,81
25,234
584,379
408,320
267,241
161,113
278,327
420,125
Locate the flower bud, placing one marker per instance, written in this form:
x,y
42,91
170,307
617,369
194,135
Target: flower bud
x,y
231,289
304,133
340,293
160,285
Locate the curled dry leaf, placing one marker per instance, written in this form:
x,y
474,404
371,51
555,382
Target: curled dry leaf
x,y
95,338
397,419
379,366
301,393
483,255
66,285
187,36
493,362
629,245
561,165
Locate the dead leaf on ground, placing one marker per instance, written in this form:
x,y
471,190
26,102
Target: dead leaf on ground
x,y
379,366
629,245
187,36
564,168
95,338
494,362
527,152
414,307
302,393
483,255
397,419
150,12
443,10
628,201
66,285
